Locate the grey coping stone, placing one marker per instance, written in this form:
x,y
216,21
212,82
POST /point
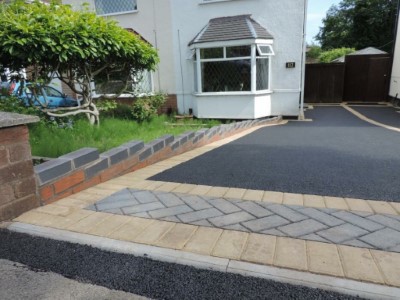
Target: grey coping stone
x,y
182,139
224,205
266,223
145,197
82,156
52,169
237,227
142,208
133,147
196,202
342,233
175,145
287,213
358,221
200,215
157,145
385,238
321,216
170,211
387,221
231,219
115,155
146,152
169,199
302,228
168,139
357,243
94,169
254,209
314,237
8,119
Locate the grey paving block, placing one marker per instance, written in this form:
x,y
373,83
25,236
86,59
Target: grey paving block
x,y
254,209
314,237
342,233
302,228
52,169
202,223
199,215
169,199
141,215
146,152
357,243
82,156
142,208
321,216
170,211
145,196
382,239
133,147
115,155
357,220
96,168
395,248
171,219
237,227
363,214
195,202
265,223
224,205
387,221
287,213
91,207
116,204
231,219
273,232
116,211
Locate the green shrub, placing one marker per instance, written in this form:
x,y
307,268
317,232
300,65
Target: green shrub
x,y
328,56
144,109
15,105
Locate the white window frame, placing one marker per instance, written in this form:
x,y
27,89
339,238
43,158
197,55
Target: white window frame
x,y
116,13
265,54
253,58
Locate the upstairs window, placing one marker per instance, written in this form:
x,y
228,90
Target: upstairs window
x,y
107,7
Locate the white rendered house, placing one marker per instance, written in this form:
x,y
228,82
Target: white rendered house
x,y
395,79
233,59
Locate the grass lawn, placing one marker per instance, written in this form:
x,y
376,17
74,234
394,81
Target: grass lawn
x,y
50,141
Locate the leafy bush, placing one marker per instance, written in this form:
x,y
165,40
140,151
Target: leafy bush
x,y
15,105
328,56
144,109
314,52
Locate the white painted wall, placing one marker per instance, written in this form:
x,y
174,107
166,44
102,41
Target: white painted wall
x,y
395,79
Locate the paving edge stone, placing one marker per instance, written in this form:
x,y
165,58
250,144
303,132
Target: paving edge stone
x,y
345,286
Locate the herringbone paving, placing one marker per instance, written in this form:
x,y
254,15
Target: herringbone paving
x,y
360,229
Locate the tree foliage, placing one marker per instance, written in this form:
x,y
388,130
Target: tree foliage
x,y
329,55
359,24
75,46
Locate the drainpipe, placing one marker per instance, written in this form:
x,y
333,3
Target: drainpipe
x,y
303,61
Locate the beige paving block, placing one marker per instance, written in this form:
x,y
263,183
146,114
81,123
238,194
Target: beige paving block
x,y
260,249
88,223
253,195
140,184
235,193
396,207
152,233
130,230
200,190
274,197
184,188
154,185
382,207
203,240
358,205
71,202
168,186
57,210
230,244
336,202
314,201
177,237
109,186
38,218
108,225
290,253
87,195
120,181
389,264
217,191
358,264
293,199
324,259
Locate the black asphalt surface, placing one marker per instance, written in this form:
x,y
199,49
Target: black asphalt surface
x,y
143,276
385,115
335,155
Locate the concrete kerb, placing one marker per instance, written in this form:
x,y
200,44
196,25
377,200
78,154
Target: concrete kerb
x,y
345,286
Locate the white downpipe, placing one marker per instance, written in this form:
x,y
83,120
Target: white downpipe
x,y
303,62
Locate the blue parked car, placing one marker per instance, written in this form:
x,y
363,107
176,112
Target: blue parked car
x,y
46,95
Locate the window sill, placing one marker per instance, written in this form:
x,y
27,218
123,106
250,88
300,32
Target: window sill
x,y
212,1
266,92
119,13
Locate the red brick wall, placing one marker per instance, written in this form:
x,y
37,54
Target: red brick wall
x,y
18,189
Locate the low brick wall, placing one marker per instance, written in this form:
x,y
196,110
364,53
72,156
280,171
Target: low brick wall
x,y
18,189
79,170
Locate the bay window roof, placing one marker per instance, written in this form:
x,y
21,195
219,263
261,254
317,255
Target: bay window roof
x,y
240,27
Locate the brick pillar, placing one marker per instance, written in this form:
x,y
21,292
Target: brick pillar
x,y
18,188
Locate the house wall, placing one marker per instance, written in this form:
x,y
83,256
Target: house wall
x,y
395,79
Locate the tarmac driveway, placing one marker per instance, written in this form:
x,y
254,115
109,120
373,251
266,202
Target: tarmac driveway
x,y
335,155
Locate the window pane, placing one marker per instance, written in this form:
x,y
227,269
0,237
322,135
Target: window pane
x,y
104,7
238,51
264,50
226,76
262,74
211,53
51,92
